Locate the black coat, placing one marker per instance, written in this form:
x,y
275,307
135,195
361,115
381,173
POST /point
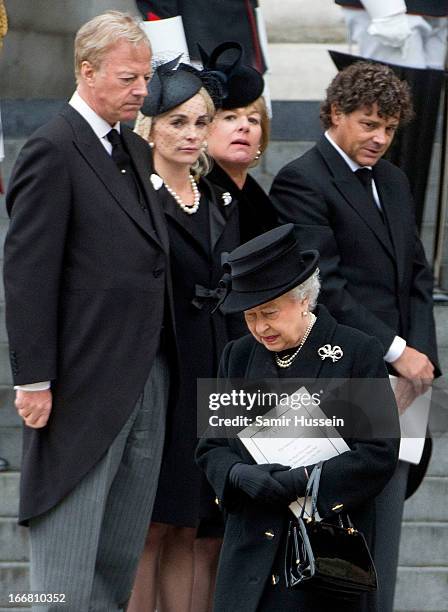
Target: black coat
x,y
429,8
375,276
212,22
256,211
197,242
353,478
87,285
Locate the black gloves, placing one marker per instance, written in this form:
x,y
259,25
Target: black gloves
x,y
257,481
293,481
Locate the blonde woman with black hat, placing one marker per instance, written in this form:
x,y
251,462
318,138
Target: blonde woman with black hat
x,y
202,223
276,286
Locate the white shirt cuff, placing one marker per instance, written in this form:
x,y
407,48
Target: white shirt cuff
x,y
395,350
39,386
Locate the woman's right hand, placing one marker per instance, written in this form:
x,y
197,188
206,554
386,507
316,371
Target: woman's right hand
x,y
257,482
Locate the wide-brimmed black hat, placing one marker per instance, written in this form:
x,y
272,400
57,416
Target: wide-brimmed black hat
x,y
241,83
173,84
265,268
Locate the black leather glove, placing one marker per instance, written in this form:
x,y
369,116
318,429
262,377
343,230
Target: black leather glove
x,y
257,482
293,481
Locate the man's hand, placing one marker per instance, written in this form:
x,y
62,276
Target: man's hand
x,y
34,407
405,393
416,367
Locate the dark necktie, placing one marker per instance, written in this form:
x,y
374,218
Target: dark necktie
x,y
119,153
364,175
124,163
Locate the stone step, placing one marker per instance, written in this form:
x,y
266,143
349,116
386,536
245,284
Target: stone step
x,y
441,316
8,412
421,589
429,502
424,544
3,335
14,578
11,446
11,449
13,541
5,368
9,494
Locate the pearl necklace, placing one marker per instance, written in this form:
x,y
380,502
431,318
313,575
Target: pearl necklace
x,y
285,362
190,209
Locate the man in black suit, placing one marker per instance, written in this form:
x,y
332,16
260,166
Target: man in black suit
x,y
87,296
357,210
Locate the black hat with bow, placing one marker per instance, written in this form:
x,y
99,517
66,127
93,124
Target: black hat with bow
x,y
241,83
265,268
170,86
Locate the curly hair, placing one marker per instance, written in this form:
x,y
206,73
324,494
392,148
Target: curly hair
x,y
364,84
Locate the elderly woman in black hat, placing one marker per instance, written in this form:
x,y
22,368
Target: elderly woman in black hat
x,y
239,135
276,286
202,223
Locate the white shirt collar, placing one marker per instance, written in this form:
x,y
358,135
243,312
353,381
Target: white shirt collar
x,y
97,123
348,160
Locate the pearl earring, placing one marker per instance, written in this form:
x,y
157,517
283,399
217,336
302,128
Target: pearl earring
x,y
258,155
304,313
204,145
151,144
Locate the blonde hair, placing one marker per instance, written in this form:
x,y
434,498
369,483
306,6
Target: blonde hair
x,y
265,122
95,37
143,126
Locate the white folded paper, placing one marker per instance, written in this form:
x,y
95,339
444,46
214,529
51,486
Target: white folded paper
x,y
266,444
413,426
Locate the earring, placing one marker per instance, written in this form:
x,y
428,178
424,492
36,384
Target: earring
x,y
258,155
151,144
204,146
305,313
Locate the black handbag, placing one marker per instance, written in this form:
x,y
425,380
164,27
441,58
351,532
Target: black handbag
x,y
326,556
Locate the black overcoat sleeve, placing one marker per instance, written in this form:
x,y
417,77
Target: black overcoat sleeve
x,y
214,455
422,333
300,201
38,202
356,476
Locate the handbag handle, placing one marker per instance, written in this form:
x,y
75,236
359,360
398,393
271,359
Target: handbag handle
x,y
312,489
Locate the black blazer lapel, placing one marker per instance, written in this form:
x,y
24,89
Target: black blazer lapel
x,y
101,163
389,189
141,156
220,215
353,192
178,216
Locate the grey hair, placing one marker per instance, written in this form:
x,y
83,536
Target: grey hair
x,y
95,38
308,289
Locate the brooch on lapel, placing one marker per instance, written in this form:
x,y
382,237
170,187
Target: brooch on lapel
x,y
333,352
226,198
157,181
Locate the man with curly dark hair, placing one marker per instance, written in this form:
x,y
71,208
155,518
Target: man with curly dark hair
x,y
357,210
